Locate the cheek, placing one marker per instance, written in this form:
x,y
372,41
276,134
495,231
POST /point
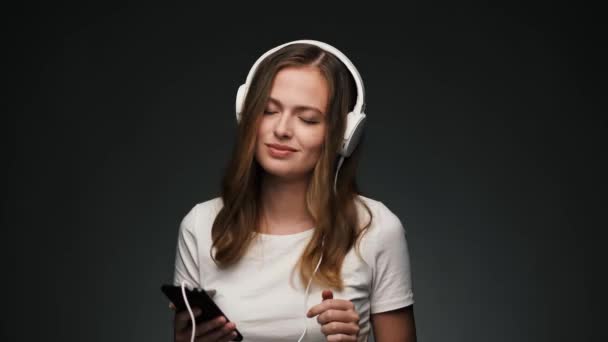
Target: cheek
x,y
263,129
313,141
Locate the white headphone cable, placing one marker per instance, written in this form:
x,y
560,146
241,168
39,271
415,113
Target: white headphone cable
x,y
306,295
189,311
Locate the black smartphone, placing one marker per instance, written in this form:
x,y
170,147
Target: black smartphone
x,y
196,298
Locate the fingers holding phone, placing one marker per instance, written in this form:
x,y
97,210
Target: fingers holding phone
x,y
215,330
211,323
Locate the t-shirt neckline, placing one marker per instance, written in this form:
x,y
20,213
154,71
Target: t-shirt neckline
x,y
283,237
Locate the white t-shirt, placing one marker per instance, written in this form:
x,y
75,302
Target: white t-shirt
x,y
256,293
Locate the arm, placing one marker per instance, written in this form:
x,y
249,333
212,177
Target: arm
x,y
392,297
394,325
186,256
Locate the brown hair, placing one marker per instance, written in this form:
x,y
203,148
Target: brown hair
x,y
335,215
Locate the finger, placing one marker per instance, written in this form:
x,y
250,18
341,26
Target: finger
x,y
171,306
209,326
202,329
182,318
228,337
345,316
338,304
222,332
327,294
341,338
334,328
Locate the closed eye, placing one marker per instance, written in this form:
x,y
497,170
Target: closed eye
x,y
309,122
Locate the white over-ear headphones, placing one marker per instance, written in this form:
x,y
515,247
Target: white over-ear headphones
x,y
355,119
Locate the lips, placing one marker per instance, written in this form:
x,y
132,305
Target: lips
x,y
282,147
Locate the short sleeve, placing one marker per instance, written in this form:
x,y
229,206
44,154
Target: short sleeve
x,y
186,256
391,278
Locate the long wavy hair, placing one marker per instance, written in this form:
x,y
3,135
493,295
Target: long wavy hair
x,y
335,214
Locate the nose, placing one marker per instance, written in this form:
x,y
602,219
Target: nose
x,y
282,127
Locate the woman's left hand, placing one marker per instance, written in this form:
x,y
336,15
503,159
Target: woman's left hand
x,y
338,318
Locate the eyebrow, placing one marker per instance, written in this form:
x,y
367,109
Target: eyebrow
x,y
297,108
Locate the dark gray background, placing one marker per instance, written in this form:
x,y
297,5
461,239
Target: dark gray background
x,y
484,137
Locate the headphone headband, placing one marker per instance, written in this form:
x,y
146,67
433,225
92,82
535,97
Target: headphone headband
x,y
341,56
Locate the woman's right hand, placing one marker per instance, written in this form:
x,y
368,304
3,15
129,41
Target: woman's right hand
x,y
215,330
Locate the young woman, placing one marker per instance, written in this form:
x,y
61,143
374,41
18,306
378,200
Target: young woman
x,y
291,250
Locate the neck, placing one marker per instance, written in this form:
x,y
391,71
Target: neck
x,y
284,205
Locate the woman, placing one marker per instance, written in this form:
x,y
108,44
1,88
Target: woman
x,y
290,250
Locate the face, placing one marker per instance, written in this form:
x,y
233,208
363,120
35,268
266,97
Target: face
x,y
294,119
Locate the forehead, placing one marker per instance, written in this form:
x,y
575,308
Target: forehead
x,y
301,86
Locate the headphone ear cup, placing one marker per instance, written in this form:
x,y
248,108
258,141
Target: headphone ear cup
x,y
355,121
240,99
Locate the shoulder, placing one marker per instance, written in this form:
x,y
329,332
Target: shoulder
x,y
210,207
384,219
202,214
386,230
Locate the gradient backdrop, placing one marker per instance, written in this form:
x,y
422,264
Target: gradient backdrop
x,y
483,137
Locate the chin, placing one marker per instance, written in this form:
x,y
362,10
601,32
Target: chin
x,y
280,170
283,168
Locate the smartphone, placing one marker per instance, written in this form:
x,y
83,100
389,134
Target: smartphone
x,y
196,298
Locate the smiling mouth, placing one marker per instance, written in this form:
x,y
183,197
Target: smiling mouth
x,y
279,153
281,148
